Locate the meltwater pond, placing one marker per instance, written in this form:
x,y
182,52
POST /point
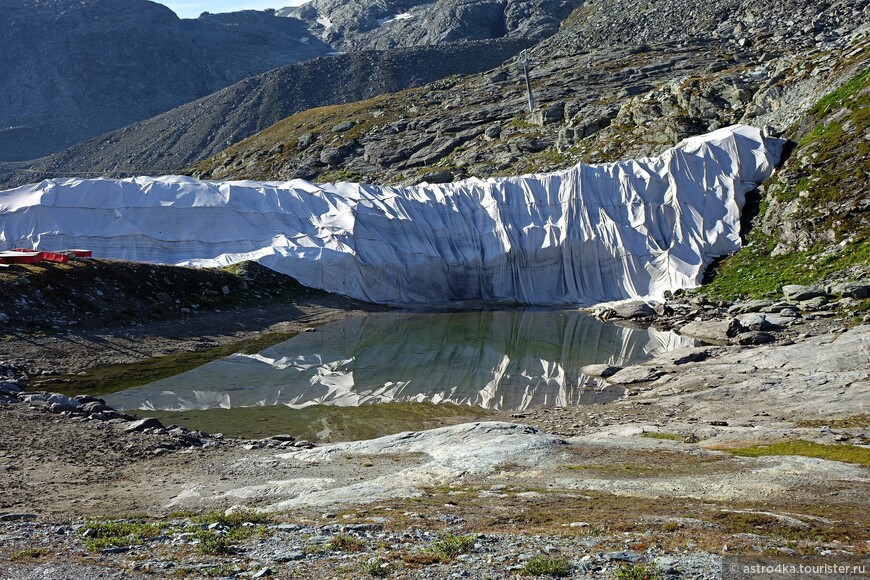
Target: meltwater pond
x,y
366,376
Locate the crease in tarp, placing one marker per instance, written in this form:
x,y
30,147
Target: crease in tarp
x,y
585,235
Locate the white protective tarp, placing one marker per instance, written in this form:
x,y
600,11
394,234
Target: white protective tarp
x,y
589,234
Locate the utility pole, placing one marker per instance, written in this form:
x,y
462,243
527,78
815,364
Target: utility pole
x,y
527,65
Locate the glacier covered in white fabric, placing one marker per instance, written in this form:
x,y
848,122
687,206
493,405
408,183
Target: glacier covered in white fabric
x,y
589,234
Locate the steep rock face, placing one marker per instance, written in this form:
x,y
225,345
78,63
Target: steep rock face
x,y
184,135
74,69
395,23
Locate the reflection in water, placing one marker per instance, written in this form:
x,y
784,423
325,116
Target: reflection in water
x,y
508,360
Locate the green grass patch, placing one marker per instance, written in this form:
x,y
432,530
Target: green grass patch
x,y
666,436
235,518
346,543
861,421
376,567
213,543
29,554
448,546
841,95
844,453
639,572
111,534
547,566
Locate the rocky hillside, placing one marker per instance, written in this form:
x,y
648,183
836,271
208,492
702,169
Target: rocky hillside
x,y
617,83
184,135
358,24
72,69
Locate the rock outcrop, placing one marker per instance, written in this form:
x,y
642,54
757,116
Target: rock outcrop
x,y
359,24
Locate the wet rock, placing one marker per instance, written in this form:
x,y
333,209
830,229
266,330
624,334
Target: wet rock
x,y
625,311
633,375
142,424
283,438
600,370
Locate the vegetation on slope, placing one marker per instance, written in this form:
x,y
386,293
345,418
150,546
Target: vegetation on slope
x,y
814,221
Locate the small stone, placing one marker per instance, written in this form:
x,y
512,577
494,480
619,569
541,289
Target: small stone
x,y
289,556
719,423
283,438
142,424
754,337
578,525
163,297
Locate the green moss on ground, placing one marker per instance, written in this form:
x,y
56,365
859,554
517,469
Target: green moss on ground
x,y
844,453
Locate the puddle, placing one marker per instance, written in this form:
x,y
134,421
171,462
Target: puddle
x,y
334,383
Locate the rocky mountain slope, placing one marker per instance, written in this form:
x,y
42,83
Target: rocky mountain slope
x,y
383,24
73,69
617,83
184,135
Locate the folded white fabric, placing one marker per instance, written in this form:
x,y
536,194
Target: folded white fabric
x,y
589,234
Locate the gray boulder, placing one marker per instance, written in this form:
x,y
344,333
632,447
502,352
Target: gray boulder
x,y
625,311
754,321
755,337
852,289
798,293
714,331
